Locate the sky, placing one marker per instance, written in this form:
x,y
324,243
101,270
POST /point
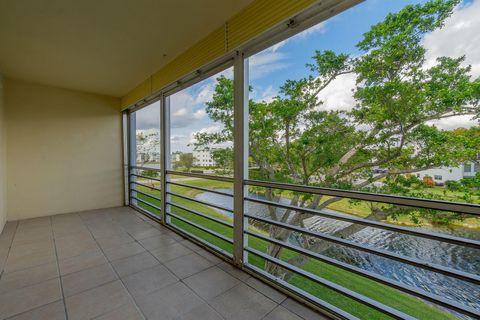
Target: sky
x,y
286,60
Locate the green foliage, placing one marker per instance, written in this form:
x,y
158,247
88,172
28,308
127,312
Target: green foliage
x,y
472,183
185,162
453,185
223,157
150,173
293,140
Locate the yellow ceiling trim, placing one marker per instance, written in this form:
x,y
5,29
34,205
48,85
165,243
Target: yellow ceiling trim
x,y
256,18
138,93
260,16
210,48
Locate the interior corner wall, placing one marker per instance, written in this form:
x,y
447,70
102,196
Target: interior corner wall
x,y
64,151
3,159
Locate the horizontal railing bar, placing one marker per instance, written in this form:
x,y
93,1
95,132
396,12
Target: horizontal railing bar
x,y
193,224
145,168
201,176
383,253
146,186
201,215
205,243
145,177
201,188
333,286
147,203
199,201
386,281
145,212
381,225
145,194
468,208
339,313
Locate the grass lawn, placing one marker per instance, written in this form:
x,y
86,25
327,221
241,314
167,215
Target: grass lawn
x,y
369,288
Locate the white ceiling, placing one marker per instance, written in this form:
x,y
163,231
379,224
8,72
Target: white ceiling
x,y
101,46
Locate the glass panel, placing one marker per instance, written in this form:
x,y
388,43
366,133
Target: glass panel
x,y
374,99
201,142
201,122
145,154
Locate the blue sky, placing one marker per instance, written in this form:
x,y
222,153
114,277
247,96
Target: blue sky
x,y
271,67
339,33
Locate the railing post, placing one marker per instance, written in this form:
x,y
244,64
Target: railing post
x,y
164,154
240,148
132,151
126,158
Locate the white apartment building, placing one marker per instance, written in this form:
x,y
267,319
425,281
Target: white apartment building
x,y
203,158
442,174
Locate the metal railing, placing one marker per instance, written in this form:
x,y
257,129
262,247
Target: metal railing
x,y
467,208
172,205
182,213
140,198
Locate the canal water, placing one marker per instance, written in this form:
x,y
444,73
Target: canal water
x,y
458,257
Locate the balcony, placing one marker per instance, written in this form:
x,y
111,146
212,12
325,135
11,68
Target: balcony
x,y
117,264
249,159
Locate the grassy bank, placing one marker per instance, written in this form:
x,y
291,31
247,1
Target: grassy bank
x,y
371,289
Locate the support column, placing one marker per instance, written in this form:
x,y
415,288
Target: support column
x,y
126,158
165,155
240,148
132,151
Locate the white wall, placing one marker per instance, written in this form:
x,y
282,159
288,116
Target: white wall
x,y
3,158
447,173
64,150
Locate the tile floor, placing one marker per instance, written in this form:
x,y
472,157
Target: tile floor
x,y
117,264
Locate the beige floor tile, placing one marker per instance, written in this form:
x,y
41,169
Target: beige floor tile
x,y
87,279
242,303
27,277
24,299
127,312
211,282
80,262
302,311
134,264
52,311
124,251
188,265
170,302
155,242
281,313
98,301
170,252
150,280
270,292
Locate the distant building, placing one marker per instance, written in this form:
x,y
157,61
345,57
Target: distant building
x,y
470,169
203,158
175,156
440,175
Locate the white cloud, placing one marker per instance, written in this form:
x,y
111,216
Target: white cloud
x,y
460,36
179,139
316,29
148,117
266,95
338,95
184,109
210,129
215,128
266,62
205,94
454,122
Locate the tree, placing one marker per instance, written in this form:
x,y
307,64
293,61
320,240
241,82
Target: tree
x,y
223,157
291,139
185,161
